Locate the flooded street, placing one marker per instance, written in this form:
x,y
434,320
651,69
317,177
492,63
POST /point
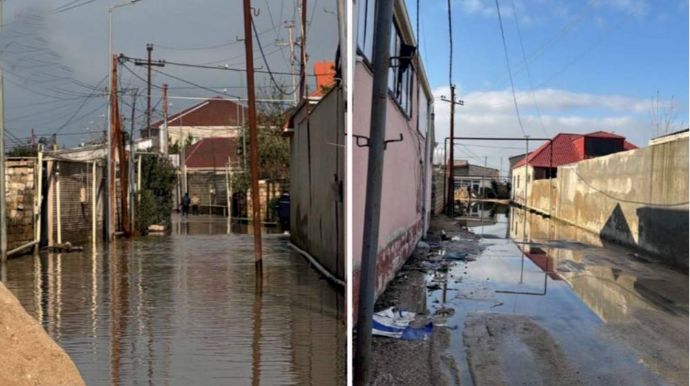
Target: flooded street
x,y
182,310
546,303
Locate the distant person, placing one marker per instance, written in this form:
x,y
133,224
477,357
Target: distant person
x,y
185,205
283,209
195,205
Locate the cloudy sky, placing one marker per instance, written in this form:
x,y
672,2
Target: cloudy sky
x,y
54,55
593,64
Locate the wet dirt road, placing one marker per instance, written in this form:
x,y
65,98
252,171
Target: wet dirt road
x,y
182,310
547,304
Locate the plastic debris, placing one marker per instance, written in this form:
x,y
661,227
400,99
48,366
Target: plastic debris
x,y
396,324
423,245
455,256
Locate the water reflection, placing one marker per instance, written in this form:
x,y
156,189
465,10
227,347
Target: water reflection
x,y
609,308
183,309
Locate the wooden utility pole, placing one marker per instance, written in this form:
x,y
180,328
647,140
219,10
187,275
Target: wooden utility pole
x,y
119,144
450,168
303,56
149,50
253,147
164,134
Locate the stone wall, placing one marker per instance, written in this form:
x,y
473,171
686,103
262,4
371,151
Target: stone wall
x,y
20,190
268,190
637,198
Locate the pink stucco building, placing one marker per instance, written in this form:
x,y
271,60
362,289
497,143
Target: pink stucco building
x,y
406,195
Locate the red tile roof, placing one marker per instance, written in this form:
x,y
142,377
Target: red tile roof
x,y
564,150
211,153
216,111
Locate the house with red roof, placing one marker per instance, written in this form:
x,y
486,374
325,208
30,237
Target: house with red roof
x,y
211,118
563,149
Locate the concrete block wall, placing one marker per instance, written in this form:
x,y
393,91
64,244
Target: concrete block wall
x,y
200,183
20,191
437,194
637,198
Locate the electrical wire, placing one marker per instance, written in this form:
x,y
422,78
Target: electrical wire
x,y
278,87
529,75
512,84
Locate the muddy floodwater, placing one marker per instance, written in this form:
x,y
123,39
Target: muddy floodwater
x,y
182,309
547,303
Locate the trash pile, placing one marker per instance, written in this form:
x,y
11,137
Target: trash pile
x,y
396,324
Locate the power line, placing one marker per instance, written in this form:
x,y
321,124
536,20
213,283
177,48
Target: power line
x,y
450,38
278,87
510,73
529,75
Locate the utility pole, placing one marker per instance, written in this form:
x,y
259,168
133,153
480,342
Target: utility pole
x,y
372,208
291,44
149,50
148,63
253,148
164,134
130,164
3,197
450,169
303,56
118,141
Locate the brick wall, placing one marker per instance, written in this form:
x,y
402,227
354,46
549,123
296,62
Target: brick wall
x,y
20,190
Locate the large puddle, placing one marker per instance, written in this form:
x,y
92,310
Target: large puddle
x,y
620,318
182,310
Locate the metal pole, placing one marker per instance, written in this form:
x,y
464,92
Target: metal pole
x,y
94,204
3,193
109,188
253,146
303,56
450,204
164,139
39,196
372,209
526,168
130,164
445,170
57,202
149,49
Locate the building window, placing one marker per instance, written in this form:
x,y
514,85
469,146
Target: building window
x,y
400,80
365,28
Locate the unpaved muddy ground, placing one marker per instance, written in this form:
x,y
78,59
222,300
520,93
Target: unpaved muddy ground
x,y
535,302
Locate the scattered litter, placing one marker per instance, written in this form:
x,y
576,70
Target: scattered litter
x,y
445,311
456,238
433,287
396,324
423,245
455,256
444,236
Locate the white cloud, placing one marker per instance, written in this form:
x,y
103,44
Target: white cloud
x,y
492,114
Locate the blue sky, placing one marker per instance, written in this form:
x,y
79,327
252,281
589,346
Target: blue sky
x,y
598,65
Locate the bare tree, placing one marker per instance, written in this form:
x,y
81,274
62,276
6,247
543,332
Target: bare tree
x,y
664,117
